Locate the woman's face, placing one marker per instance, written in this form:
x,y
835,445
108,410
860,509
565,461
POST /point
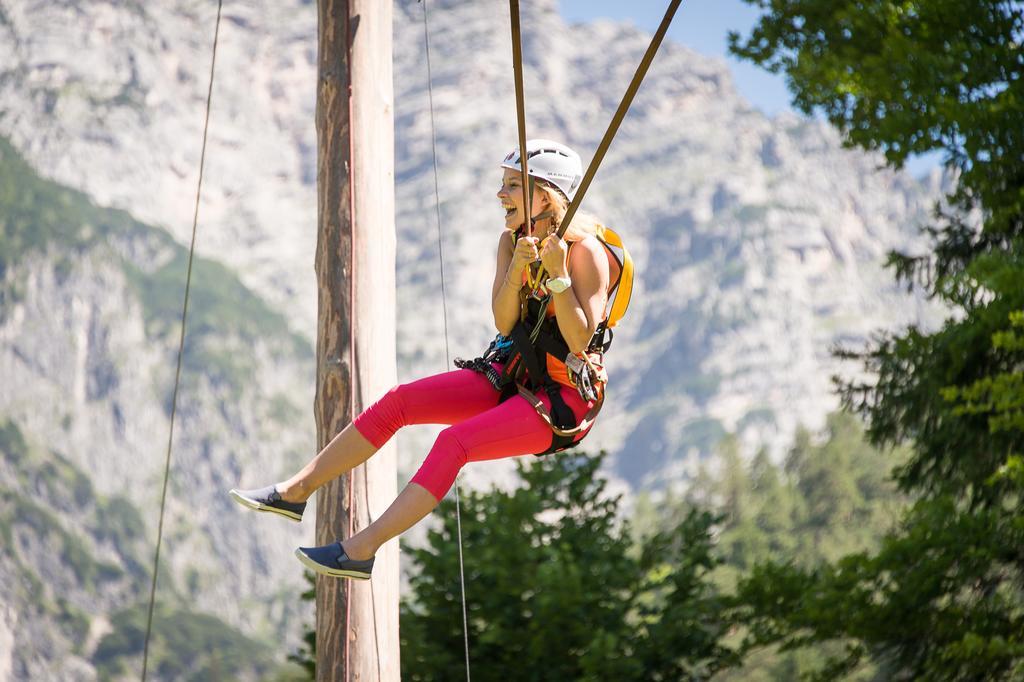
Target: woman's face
x,y
511,196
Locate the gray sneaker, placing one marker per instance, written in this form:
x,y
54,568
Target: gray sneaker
x,y
332,560
268,500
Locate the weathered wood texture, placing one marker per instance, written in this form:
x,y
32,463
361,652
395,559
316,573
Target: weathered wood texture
x,y
355,265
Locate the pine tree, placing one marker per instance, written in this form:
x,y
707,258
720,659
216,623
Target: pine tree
x,y
942,598
557,591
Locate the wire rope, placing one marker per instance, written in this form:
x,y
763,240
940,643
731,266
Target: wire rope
x,y
444,309
181,348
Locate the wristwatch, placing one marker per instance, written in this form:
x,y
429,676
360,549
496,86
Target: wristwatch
x,y
557,285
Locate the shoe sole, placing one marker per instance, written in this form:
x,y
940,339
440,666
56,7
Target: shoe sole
x,y
333,572
250,503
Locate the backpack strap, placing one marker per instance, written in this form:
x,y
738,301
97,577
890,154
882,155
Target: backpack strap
x,y
622,291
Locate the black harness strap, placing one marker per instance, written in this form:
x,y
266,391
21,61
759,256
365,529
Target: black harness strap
x,y
535,361
548,342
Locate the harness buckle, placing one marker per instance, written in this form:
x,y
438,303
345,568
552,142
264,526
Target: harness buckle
x,y
587,375
574,363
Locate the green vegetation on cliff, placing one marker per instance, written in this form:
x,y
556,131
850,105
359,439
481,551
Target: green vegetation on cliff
x,y
51,518
185,645
40,217
50,513
50,504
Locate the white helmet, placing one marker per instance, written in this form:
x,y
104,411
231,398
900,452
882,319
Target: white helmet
x,y
552,162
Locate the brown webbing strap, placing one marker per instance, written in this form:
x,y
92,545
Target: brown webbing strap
x,y
517,68
620,114
545,414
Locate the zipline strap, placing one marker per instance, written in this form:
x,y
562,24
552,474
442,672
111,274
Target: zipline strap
x,y
444,310
620,114
533,278
517,69
181,352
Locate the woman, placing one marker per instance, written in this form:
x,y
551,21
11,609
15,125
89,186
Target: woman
x,y
483,423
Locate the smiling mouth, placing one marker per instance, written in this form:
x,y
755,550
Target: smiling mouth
x,y
510,209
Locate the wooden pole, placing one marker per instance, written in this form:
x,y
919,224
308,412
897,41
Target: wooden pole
x,y
356,621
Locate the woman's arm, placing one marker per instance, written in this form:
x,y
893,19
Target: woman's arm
x,y
505,289
580,308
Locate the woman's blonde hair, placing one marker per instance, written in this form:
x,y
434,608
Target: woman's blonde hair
x,y
583,224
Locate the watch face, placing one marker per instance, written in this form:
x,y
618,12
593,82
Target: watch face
x,y
557,285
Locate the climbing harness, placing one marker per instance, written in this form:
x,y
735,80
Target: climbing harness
x,y
535,344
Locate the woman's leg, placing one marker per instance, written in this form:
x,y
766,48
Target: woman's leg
x,y
509,429
411,505
446,398
345,452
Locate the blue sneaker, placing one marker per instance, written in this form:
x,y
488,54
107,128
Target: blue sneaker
x,y
332,560
268,500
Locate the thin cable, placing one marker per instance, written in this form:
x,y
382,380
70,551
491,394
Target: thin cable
x,y
373,596
437,192
181,349
462,575
444,308
357,404
354,373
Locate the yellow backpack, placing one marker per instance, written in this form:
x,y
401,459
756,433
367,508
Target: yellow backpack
x,y
622,290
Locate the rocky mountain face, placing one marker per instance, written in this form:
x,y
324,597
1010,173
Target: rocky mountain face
x,y
758,242
88,340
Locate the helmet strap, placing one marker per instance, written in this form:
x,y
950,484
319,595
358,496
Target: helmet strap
x,y
540,216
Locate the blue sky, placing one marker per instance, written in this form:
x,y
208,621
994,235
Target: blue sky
x,y
703,25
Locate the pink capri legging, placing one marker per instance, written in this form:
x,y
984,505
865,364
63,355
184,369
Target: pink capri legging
x,y
479,427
